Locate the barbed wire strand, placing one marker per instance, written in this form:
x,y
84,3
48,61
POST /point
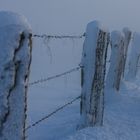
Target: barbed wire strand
x,y
51,114
55,76
59,36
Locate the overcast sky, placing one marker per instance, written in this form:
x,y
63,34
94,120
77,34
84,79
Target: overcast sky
x,y
71,16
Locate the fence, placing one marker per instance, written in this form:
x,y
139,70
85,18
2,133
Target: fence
x,y
54,77
15,73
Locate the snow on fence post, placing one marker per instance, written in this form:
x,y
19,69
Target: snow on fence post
x,y
15,59
127,34
116,61
134,57
93,74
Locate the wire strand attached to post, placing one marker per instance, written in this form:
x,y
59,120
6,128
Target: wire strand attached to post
x,y
56,76
59,36
51,114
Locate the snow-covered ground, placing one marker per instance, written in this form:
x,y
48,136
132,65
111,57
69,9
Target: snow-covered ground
x,y
121,119
122,109
46,97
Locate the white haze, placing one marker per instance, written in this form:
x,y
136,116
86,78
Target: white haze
x,y
71,16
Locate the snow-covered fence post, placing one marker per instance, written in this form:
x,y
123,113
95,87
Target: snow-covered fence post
x,y
127,34
116,60
15,59
93,74
134,57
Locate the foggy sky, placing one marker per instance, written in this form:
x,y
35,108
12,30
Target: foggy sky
x,y
71,16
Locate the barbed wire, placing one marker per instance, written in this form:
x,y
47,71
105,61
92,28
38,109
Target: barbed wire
x,y
52,113
45,36
55,76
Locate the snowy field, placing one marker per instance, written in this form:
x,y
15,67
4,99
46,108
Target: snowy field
x,y
46,97
122,109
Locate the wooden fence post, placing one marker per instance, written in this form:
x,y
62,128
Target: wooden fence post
x,y
15,59
93,74
127,34
116,60
134,57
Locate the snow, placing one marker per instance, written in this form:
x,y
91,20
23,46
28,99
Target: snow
x,y
117,40
90,62
122,109
116,37
128,35
121,118
46,97
9,18
134,57
14,66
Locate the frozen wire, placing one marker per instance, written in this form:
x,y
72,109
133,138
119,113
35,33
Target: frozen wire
x,y
59,36
51,114
55,76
